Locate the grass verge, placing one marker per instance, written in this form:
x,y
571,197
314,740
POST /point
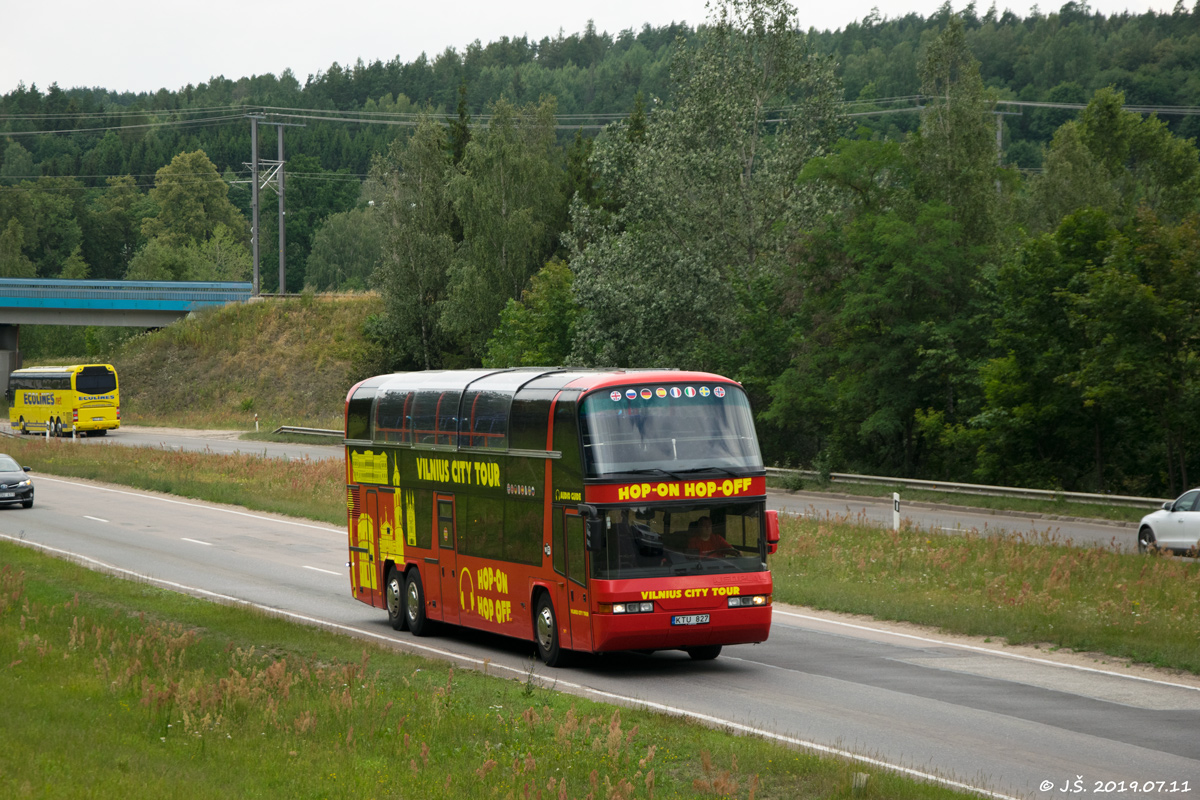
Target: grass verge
x,y
1016,589
119,689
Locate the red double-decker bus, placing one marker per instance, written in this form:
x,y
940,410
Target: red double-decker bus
x,y
587,511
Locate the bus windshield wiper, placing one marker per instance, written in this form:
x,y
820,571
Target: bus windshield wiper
x,y
724,470
650,471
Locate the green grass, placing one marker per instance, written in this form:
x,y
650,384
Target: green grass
x,y
1051,508
291,438
1018,588
116,689
289,361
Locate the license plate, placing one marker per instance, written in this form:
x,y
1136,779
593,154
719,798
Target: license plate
x,y
8,494
690,619
97,419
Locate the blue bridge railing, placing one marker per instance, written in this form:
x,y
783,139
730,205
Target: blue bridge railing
x,y
181,296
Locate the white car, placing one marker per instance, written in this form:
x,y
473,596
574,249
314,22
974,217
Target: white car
x,y
1174,527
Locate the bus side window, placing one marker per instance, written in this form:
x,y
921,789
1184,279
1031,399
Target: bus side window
x,y
358,414
558,543
575,550
424,517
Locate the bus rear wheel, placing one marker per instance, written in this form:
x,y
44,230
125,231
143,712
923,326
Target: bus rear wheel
x,y
414,605
703,653
58,427
394,596
545,633
24,429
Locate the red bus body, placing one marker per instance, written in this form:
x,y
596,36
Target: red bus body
x,y
478,487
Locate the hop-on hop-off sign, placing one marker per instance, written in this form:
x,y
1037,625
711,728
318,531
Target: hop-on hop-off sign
x,y
722,489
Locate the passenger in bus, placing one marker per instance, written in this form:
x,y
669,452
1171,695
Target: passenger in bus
x,y
703,540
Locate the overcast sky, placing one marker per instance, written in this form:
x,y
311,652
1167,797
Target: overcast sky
x,y
145,45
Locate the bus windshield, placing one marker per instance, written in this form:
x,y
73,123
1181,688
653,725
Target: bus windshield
x,y
680,540
681,428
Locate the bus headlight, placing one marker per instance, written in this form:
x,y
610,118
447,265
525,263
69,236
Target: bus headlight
x,y
632,608
749,600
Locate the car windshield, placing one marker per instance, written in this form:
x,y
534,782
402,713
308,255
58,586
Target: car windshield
x,y
671,428
643,542
7,464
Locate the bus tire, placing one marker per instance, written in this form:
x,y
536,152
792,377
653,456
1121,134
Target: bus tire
x,y
414,605
704,652
545,633
58,427
24,429
393,594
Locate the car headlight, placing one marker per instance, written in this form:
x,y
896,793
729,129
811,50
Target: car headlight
x,y
24,483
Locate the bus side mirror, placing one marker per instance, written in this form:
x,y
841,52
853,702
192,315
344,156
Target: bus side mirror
x,y
772,531
593,528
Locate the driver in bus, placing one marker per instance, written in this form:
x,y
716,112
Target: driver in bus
x,y
704,541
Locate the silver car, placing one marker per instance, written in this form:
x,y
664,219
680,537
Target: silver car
x,y
1174,527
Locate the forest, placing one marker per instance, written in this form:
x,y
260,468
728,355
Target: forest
x,y
958,247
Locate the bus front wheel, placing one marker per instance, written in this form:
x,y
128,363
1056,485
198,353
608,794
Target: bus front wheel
x,y
394,595
703,652
545,633
24,429
414,605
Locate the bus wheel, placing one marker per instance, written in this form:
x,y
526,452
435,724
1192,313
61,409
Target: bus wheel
x,y
414,605
545,633
704,653
58,427
394,595
24,430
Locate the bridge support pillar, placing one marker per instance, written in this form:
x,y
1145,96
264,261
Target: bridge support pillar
x,y
10,352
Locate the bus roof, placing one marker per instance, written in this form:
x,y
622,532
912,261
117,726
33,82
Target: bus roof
x,y
510,380
70,368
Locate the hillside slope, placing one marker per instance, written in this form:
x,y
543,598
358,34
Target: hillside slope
x,y
288,361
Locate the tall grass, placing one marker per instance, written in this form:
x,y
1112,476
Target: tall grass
x,y
1023,588
114,689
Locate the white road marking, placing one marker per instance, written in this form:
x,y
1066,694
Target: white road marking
x,y
327,571
194,505
85,516
988,650
552,681
196,541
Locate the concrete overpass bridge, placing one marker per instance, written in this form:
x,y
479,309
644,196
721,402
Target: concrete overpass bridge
x,y
130,304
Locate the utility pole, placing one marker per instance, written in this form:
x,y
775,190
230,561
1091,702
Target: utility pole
x,y
1000,115
254,200
282,227
273,179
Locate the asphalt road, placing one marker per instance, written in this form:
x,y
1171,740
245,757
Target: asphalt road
x,y
873,510
967,713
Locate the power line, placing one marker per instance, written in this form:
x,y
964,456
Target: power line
x,y
167,124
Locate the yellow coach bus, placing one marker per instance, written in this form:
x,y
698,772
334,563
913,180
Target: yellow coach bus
x,y
83,398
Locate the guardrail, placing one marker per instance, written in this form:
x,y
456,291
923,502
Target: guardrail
x,y
976,489
309,431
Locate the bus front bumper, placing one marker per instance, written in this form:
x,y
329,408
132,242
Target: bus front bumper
x,y
657,630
